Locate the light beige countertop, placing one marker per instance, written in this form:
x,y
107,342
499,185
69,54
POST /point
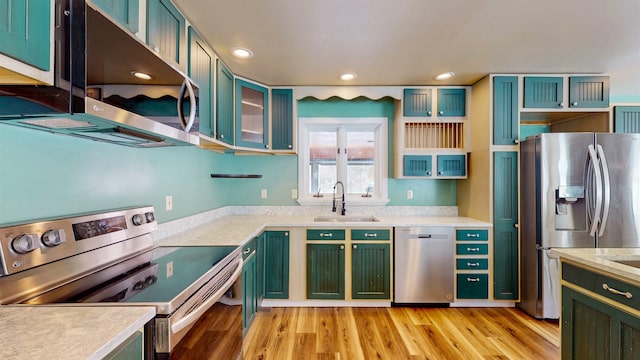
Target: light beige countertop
x,y
235,230
604,259
67,332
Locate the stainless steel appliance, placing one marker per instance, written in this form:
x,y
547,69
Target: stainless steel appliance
x,y
109,259
578,190
95,94
423,261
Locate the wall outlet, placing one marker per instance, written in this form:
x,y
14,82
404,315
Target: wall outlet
x,y
263,193
169,269
294,193
168,203
409,194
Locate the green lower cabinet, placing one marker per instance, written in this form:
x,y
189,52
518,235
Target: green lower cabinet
x,y
325,271
472,286
276,265
594,330
249,292
505,215
371,271
260,267
130,349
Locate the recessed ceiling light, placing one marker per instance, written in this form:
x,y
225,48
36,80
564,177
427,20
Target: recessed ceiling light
x,y
444,76
141,75
241,53
348,76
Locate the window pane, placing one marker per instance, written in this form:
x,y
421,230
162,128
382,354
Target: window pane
x,y
360,162
322,161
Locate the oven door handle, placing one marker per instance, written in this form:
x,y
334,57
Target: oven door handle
x,y
195,315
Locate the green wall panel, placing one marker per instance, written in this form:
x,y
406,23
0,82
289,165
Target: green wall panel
x,y
44,175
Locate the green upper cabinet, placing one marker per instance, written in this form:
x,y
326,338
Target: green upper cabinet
x,y
282,119
276,265
452,102
543,92
371,271
588,91
252,115
505,221
325,271
125,12
166,30
452,165
417,102
417,165
224,104
505,110
201,63
626,119
25,31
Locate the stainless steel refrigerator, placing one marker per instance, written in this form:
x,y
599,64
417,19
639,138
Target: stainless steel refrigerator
x,y
577,190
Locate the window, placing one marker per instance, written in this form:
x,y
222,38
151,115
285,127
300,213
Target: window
x,y
350,150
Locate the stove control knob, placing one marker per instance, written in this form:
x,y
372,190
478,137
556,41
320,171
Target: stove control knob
x,y
139,285
138,219
53,238
25,243
150,217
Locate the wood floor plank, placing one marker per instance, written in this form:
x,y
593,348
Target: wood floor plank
x,y
347,336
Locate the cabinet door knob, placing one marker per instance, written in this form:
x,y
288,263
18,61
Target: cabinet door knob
x,y
515,226
441,112
290,146
341,247
429,112
561,104
575,103
266,146
221,136
516,141
355,246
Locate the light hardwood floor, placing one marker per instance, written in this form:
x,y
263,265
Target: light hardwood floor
x,y
400,333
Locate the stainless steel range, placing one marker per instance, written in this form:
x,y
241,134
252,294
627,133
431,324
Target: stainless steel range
x,y
109,259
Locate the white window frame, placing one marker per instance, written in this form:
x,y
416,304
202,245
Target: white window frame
x,y
377,124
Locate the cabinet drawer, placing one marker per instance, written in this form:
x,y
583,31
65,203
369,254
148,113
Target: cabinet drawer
x,y
364,234
249,248
472,235
472,286
602,285
325,234
472,264
472,249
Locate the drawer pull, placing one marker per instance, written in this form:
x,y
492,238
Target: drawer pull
x,y
475,264
247,250
473,235
470,249
473,279
326,234
627,294
370,235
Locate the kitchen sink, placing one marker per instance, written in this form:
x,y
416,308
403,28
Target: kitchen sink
x,y
346,219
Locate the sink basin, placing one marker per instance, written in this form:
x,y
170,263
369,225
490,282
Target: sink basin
x,y
346,219
634,263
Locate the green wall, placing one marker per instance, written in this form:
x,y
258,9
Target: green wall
x,y
44,175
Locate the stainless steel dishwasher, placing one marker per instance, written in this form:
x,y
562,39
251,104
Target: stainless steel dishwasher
x,y
424,265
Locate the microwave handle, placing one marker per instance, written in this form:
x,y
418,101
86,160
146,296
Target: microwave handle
x,y
187,124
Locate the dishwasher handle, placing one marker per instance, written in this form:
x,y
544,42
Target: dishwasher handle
x,y
425,236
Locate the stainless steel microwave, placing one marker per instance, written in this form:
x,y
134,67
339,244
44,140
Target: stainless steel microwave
x,y
96,93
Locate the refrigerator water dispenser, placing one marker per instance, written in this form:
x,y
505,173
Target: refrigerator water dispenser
x,y
570,208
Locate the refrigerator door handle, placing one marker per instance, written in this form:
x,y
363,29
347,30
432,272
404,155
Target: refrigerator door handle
x,y
593,158
606,190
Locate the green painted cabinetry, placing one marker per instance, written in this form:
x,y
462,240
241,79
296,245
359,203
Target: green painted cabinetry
x,y
224,104
584,92
417,102
505,110
543,92
252,115
325,271
505,222
452,102
25,31
603,327
249,283
166,30
588,91
417,165
125,12
472,286
276,264
370,271
200,69
282,119
626,119
326,234
130,349
452,165
472,264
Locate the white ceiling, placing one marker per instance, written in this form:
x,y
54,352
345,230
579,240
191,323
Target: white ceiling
x,y
408,42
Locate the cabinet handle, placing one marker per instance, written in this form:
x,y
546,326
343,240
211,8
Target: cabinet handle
x,y
221,136
475,264
247,250
473,235
575,103
561,104
286,233
370,235
341,247
516,141
290,146
429,112
355,246
473,249
473,279
326,234
266,146
626,294
516,226
441,112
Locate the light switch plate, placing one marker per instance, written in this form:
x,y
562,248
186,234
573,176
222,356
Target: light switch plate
x,y
409,194
263,193
169,203
294,193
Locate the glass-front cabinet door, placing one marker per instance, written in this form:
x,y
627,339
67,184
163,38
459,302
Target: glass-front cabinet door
x,y
252,115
